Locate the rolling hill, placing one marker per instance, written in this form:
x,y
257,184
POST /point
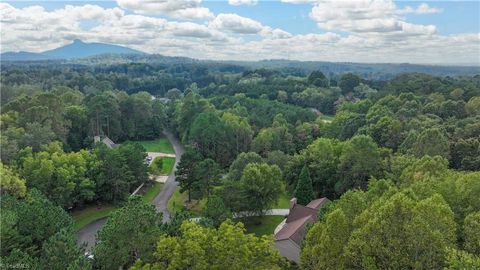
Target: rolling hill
x,y
77,49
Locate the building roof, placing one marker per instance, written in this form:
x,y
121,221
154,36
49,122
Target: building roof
x,y
294,230
299,211
294,227
316,204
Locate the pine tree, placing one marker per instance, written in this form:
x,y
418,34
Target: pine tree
x,y
304,191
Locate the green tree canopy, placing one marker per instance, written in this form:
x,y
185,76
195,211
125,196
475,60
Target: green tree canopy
x,y
128,235
227,247
304,191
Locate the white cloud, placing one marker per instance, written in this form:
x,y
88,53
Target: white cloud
x,y
183,9
236,24
360,16
299,1
269,32
377,29
242,2
423,8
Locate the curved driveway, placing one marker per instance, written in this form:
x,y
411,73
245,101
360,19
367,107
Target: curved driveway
x,y
88,233
161,200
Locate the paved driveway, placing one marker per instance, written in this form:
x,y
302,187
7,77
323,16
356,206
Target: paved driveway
x,y
88,233
161,200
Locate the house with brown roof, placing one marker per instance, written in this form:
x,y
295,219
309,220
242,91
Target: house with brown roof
x,y
290,232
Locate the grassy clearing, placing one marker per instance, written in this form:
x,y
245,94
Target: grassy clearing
x,y
161,145
327,118
152,192
179,200
283,201
88,215
262,226
167,166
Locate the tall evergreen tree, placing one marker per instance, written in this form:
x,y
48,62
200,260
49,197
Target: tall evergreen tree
x,y
304,191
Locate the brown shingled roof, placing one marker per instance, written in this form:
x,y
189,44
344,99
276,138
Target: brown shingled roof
x,y
316,204
294,230
299,211
295,226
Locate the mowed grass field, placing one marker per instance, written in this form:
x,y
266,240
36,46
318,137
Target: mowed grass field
x,y
161,145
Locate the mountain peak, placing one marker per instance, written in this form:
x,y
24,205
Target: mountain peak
x,y
76,49
77,41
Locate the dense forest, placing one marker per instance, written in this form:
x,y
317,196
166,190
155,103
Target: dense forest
x,y
398,158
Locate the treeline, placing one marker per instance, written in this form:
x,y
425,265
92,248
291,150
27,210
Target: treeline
x,y
45,137
73,179
398,159
154,78
37,234
412,138
423,216
37,118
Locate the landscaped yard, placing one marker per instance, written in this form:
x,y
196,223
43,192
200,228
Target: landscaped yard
x,y
283,201
262,226
88,215
161,145
152,192
178,200
167,166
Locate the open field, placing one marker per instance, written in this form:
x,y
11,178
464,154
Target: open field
x,y
161,145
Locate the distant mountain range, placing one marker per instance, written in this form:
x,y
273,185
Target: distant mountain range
x,y
83,53
77,49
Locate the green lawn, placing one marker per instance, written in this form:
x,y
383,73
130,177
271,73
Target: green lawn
x,y
88,215
159,145
152,192
283,201
178,200
167,165
328,118
262,226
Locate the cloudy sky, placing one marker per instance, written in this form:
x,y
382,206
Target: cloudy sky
x,y
435,32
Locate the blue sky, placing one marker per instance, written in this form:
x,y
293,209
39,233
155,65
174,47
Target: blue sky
x,y
342,30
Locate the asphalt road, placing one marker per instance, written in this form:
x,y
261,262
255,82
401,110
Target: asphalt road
x,y
161,200
88,233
